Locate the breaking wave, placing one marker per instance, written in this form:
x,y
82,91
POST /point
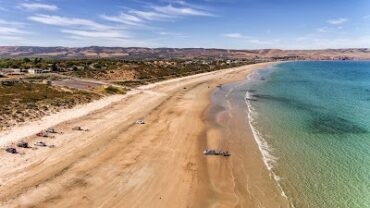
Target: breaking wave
x,y
266,151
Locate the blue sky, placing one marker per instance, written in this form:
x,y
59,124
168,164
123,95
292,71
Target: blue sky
x,y
232,24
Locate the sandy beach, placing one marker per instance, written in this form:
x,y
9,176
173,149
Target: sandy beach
x,y
160,164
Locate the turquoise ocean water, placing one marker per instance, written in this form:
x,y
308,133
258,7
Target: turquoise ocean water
x,y
312,123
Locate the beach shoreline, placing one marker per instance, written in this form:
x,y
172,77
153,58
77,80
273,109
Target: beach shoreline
x,y
230,129
135,158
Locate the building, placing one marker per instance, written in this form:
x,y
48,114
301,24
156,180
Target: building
x,y
34,71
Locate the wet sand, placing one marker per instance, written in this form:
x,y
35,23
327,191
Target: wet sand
x,y
159,164
229,129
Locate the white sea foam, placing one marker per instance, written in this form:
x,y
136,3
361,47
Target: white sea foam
x,y
263,146
266,151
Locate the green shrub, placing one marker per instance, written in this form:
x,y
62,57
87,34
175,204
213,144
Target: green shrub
x,y
114,90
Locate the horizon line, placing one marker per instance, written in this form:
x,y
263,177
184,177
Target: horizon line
x,y
206,48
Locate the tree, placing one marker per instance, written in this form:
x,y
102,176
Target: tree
x,y
54,67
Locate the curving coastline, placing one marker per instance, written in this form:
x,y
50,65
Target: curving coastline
x,y
119,164
230,128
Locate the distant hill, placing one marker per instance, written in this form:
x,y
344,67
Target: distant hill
x,y
184,53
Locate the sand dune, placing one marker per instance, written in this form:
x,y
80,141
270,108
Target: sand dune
x,y
159,164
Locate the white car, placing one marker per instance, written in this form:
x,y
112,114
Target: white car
x,y
40,144
140,122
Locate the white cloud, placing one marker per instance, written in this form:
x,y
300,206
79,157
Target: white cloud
x,y
233,35
66,21
263,42
10,23
38,6
181,11
149,15
311,42
9,31
250,39
338,21
9,37
95,34
109,30
82,28
157,13
78,41
179,2
322,29
10,28
124,18
173,34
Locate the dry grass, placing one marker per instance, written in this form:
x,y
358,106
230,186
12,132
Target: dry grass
x,y
23,101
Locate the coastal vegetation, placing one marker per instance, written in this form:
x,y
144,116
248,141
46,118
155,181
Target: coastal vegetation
x,y
21,101
54,84
124,72
115,90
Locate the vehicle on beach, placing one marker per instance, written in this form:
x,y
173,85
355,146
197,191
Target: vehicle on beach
x,y
216,152
51,131
44,134
11,150
40,144
79,128
140,122
23,145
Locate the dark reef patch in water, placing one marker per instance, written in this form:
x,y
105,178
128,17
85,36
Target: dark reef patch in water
x,y
271,97
331,124
300,81
288,102
322,123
